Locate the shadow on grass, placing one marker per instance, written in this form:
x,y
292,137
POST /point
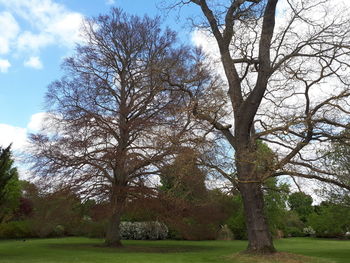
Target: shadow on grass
x,y
134,248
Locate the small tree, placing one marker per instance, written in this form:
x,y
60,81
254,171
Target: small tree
x,y
9,185
183,178
183,188
302,204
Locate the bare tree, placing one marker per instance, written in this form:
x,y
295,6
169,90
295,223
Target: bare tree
x,y
113,117
287,73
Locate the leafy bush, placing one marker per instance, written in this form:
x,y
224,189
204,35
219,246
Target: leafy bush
x,y
293,226
92,229
331,220
293,231
143,230
16,229
237,225
236,222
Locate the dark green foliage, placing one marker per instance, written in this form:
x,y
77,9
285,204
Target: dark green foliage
x,y
6,169
338,156
10,190
93,229
237,221
293,226
338,161
275,197
330,220
265,157
16,229
301,203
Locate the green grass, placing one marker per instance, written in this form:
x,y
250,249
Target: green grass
x,y
79,250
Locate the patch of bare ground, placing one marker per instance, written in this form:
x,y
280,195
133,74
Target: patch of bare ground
x,y
278,257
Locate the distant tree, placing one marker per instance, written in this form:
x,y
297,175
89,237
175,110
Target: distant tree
x,y
330,220
275,198
183,188
9,185
338,160
183,178
301,203
113,116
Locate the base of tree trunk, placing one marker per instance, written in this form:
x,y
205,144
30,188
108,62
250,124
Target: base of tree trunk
x,y
261,250
259,236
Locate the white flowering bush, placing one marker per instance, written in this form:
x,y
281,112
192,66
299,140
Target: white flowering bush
x,y
152,230
309,231
347,235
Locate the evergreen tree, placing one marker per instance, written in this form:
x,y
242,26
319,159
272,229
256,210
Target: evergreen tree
x,y
183,179
9,185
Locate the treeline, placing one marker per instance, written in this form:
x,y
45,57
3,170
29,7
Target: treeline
x,y
180,207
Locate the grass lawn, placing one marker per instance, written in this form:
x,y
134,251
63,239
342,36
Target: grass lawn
x,y
79,250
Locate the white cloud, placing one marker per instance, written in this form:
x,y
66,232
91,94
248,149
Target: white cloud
x,y
8,31
50,23
110,2
4,65
67,28
201,39
18,135
33,62
11,134
36,121
33,42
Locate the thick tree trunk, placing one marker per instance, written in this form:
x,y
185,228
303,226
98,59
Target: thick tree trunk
x,y
113,238
259,236
118,199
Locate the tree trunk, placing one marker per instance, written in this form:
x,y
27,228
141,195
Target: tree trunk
x,y
113,238
118,199
259,236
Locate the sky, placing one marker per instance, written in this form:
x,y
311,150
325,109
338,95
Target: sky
x,y
35,37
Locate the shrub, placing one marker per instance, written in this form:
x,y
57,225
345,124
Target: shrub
x,y
143,230
93,229
293,231
16,229
331,220
237,225
293,226
309,231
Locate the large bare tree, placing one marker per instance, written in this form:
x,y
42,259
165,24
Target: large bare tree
x,y
287,72
113,117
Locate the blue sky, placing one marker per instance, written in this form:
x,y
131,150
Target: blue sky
x,y
35,35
